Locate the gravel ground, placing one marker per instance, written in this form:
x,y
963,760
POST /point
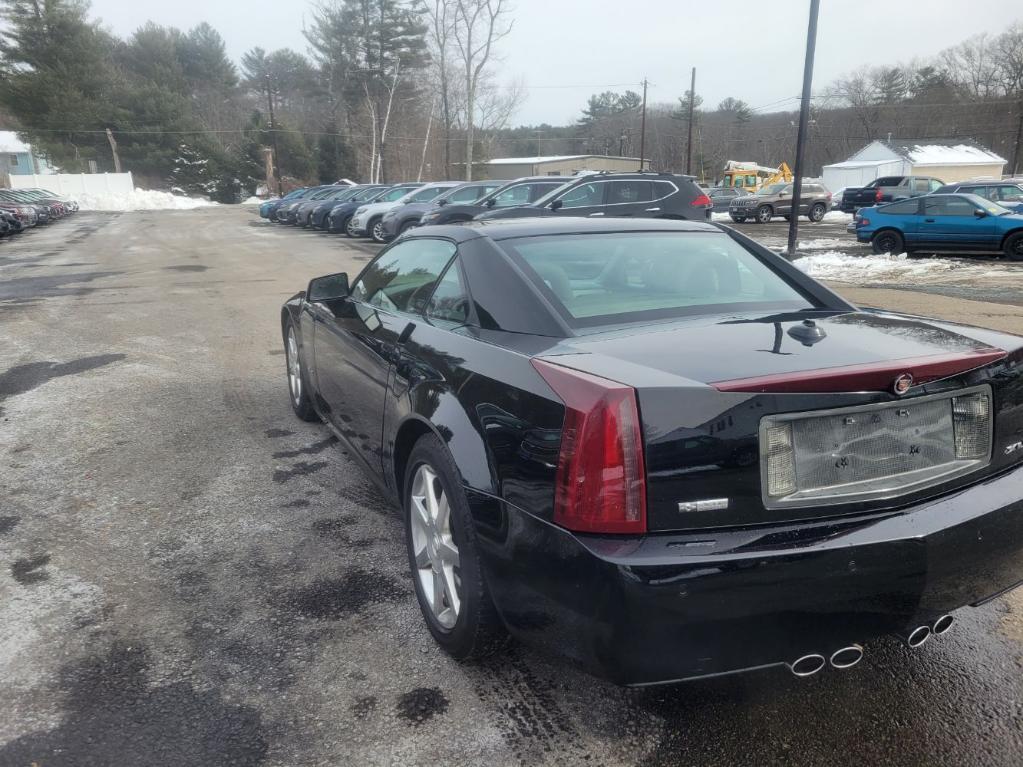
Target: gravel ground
x,y
191,576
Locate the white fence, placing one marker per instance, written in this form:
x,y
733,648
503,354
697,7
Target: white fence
x,y
77,183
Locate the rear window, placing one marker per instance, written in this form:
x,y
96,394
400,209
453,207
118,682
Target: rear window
x,y
612,278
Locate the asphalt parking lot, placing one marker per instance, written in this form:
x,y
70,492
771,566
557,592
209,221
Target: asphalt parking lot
x,y
191,576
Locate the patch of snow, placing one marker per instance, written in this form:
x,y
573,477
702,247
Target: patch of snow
x,y
940,154
884,268
837,215
140,199
822,243
253,201
719,216
10,143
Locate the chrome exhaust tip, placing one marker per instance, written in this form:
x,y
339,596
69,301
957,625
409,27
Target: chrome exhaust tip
x,y
915,637
942,625
847,657
808,665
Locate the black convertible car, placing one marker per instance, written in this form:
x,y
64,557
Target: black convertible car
x,y
663,451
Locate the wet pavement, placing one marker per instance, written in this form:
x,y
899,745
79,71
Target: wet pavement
x,y
191,576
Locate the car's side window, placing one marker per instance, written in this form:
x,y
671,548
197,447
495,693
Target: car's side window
x,y
465,195
515,195
1009,193
449,305
583,196
904,208
947,206
920,186
935,185
537,191
630,191
403,277
664,188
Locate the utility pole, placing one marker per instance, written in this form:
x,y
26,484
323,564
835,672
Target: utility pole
x,y
621,144
273,137
642,129
692,112
113,149
539,144
1018,147
804,114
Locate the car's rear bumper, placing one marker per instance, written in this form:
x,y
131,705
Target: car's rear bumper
x,y
669,607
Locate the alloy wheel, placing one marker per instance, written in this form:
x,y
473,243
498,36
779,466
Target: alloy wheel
x,y
378,231
294,368
349,228
886,243
436,555
764,215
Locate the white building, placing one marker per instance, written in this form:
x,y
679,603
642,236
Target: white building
x,y
947,159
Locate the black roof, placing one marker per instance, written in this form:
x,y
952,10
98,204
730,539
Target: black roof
x,y
509,228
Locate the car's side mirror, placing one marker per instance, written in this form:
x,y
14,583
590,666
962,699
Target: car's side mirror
x,y
328,287
556,204
979,213
441,203
491,202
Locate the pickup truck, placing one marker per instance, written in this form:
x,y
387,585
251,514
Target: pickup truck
x,y
888,189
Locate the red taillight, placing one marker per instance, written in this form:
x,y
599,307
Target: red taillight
x,y
703,201
600,485
863,222
877,196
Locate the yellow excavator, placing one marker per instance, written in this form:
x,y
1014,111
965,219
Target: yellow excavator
x,y
750,176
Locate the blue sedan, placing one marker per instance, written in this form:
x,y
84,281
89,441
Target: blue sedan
x,y
946,222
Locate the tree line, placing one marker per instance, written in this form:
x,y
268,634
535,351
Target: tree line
x,y
407,89
360,104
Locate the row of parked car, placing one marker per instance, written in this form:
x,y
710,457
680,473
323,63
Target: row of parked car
x,y
24,208
384,211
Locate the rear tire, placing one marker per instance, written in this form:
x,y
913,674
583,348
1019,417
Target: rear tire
x,y
764,214
817,212
298,386
888,241
1013,247
443,555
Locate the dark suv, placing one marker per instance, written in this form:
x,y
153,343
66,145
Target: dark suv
x,y
634,195
521,191
776,200
405,217
1005,193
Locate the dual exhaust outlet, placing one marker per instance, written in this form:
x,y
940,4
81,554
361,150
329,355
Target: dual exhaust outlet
x,y
847,657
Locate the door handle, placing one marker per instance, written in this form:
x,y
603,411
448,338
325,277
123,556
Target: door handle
x,y
651,210
595,214
928,220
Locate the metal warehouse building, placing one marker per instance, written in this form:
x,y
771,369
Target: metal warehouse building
x,y
947,159
557,165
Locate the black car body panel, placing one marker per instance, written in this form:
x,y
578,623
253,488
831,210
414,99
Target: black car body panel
x,y
683,599
337,216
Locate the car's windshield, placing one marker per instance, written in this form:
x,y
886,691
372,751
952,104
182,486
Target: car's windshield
x,y
368,195
611,278
771,189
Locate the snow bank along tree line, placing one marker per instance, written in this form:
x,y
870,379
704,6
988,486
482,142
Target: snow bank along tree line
x,y
401,89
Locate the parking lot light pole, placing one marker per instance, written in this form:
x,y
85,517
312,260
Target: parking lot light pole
x,y
642,130
692,109
804,113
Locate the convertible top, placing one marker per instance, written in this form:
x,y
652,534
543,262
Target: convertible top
x,y
505,229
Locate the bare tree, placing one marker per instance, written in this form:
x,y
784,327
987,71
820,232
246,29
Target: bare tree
x,y
442,14
479,24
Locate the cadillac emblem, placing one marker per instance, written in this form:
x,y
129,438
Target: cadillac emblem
x,y
902,384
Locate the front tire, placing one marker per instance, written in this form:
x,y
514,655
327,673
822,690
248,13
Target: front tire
x,y
817,212
443,555
764,214
1013,247
298,387
349,229
888,241
376,231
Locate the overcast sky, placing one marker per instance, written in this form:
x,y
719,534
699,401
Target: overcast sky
x,y
593,45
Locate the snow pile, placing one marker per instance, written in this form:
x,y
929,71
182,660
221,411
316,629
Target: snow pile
x,y
822,243
884,268
253,201
140,199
